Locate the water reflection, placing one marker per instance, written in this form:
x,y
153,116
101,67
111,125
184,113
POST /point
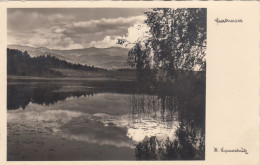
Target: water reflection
x,y
156,125
20,95
166,131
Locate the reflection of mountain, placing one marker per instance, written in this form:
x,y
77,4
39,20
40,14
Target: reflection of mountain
x,y
108,58
162,125
21,94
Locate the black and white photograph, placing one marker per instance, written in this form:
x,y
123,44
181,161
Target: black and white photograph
x,y
92,84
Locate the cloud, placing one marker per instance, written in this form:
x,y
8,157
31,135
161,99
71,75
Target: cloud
x,y
51,38
108,23
96,30
23,21
105,43
137,32
134,33
63,31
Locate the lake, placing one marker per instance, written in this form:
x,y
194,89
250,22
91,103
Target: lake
x,y
74,121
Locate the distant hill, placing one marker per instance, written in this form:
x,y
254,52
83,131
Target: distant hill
x,y
108,58
22,64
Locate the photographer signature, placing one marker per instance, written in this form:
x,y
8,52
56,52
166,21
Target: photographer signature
x,y
222,149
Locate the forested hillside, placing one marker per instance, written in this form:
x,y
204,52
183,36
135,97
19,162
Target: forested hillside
x,y
22,64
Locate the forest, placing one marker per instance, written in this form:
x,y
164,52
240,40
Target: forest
x,y
22,64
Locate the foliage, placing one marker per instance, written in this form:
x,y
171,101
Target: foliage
x,y
176,41
20,63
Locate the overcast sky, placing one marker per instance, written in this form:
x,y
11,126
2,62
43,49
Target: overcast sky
x,y
72,28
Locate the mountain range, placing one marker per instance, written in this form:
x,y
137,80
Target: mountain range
x,y
108,58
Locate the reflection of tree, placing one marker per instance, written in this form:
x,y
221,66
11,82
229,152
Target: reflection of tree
x,y
187,146
149,106
189,142
146,150
20,95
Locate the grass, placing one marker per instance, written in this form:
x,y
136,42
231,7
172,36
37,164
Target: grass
x,y
78,75
109,74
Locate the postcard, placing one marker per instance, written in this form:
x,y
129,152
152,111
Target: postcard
x,y
129,83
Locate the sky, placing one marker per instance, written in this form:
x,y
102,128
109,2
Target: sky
x,y
73,28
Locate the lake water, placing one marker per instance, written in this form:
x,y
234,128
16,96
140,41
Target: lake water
x,y
76,122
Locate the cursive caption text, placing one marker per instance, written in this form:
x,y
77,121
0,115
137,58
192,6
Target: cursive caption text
x,y
217,20
222,149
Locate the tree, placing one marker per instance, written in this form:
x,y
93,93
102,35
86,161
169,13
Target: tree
x,y
176,41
